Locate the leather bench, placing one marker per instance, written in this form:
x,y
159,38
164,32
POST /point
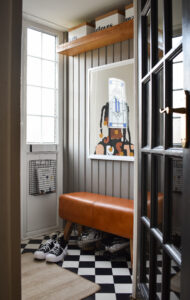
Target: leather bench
x,y
110,214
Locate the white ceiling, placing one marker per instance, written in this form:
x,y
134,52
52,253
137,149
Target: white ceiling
x,y
63,14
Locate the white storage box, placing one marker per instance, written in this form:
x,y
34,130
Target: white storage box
x,y
80,31
112,18
129,12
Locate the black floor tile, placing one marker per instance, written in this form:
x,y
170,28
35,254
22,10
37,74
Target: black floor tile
x,y
106,288
74,270
122,279
119,264
92,297
35,242
103,271
89,277
86,264
72,258
123,296
28,250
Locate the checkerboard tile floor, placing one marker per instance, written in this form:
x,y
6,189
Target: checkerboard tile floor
x,y
113,273
174,270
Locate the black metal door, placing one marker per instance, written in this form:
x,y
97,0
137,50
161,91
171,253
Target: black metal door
x,y
164,165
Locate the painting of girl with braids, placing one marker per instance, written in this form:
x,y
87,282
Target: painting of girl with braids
x,y
114,136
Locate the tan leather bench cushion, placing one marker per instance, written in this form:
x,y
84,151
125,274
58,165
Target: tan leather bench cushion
x,y
110,214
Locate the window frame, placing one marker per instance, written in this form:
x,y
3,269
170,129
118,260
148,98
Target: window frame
x,y
27,24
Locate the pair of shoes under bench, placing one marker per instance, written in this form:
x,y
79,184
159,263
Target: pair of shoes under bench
x,y
53,250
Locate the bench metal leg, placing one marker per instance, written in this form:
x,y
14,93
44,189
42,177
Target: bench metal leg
x,y
68,230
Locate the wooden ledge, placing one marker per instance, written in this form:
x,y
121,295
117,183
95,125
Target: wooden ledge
x,y
115,34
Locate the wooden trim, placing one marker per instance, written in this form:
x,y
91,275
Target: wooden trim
x,y
95,40
128,6
80,25
113,12
10,61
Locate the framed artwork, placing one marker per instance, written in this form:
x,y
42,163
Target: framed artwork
x,y
111,123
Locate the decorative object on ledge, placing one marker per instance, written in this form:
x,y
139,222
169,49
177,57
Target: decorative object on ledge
x,y
114,34
111,111
110,19
80,31
129,12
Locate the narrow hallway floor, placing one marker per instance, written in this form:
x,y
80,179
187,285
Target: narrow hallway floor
x,y
112,272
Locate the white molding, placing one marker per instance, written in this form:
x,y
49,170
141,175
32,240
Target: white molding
x,y
31,18
112,65
111,157
38,233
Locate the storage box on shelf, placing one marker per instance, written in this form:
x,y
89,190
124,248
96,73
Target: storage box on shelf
x,y
110,19
129,12
80,31
114,34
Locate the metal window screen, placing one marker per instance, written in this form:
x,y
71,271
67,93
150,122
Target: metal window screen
x,y
42,176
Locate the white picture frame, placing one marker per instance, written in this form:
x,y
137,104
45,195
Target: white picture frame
x,y
111,142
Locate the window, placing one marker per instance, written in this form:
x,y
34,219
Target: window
x,y
41,88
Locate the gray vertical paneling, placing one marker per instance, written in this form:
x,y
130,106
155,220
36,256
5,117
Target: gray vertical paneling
x,y
102,164
125,50
71,122
125,169
117,179
76,122
131,187
88,161
117,52
106,177
65,126
82,124
131,48
125,179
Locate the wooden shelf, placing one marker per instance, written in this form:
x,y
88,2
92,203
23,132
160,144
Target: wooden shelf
x,y
115,34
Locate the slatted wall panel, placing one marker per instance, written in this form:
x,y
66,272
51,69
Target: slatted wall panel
x,y
106,177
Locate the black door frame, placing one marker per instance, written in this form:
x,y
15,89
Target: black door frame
x,y
167,151
185,286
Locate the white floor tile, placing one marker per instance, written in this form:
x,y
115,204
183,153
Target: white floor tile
x,y
120,271
159,295
32,246
87,258
25,241
173,296
70,264
86,271
159,278
103,264
73,252
121,288
104,279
